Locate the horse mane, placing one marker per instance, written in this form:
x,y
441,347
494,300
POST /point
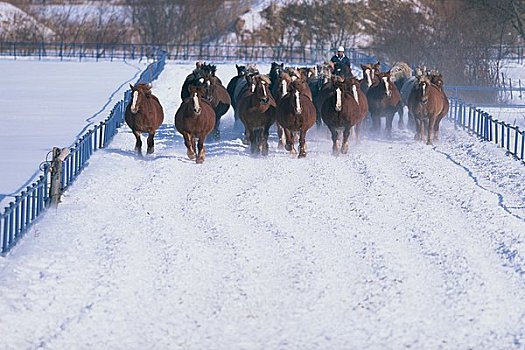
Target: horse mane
x,y
145,88
401,71
265,78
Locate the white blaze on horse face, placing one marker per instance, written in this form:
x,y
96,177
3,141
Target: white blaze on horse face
x,y
253,88
354,91
368,77
196,105
134,102
284,88
298,107
338,104
264,88
387,87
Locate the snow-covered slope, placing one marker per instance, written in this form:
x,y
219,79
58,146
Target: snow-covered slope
x,y
395,245
12,19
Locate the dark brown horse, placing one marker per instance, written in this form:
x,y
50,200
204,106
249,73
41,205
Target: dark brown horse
x,y
296,114
354,85
426,104
340,110
195,119
256,108
144,113
383,101
218,97
369,75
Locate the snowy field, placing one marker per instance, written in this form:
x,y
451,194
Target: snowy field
x,y
395,245
51,103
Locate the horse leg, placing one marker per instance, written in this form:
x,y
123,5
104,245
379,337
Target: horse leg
x,y
253,141
190,151
376,123
335,136
357,132
201,152
216,131
138,143
431,126
388,126
289,141
346,135
401,114
247,136
151,145
281,137
265,133
302,143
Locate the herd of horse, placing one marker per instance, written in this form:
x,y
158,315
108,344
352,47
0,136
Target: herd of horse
x,y
294,99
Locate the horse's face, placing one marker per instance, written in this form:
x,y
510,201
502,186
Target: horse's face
x,y
138,95
295,93
276,69
283,84
241,70
196,92
437,79
259,89
384,80
423,87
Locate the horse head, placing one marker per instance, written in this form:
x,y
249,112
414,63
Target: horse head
x,y
423,88
353,85
436,78
196,93
384,79
139,93
297,88
241,70
370,72
283,84
339,86
261,95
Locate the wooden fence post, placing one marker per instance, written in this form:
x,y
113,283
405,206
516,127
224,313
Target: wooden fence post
x,y
56,175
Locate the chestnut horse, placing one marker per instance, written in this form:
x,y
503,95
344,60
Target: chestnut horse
x,y
144,113
296,114
340,110
354,85
437,79
383,101
218,97
256,108
426,104
195,119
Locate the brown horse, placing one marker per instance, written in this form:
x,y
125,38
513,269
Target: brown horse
x,y
296,114
436,78
426,104
369,75
354,85
195,119
257,112
383,101
144,113
340,110
219,98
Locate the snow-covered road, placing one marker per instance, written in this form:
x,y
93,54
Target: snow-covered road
x,y
395,245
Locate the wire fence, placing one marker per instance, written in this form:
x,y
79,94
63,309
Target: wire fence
x,y
20,214
482,124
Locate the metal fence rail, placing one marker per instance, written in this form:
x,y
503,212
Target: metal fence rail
x,y
19,215
482,124
188,52
79,51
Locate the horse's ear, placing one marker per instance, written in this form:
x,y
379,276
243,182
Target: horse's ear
x,y
131,86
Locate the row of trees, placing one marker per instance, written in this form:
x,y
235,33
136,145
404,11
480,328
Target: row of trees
x,y
464,39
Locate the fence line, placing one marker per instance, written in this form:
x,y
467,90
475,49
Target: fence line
x,y
482,124
186,52
19,215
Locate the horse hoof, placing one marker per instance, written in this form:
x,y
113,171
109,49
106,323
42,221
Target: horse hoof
x,y
150,150
191,155
302,155
199,160
288,147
